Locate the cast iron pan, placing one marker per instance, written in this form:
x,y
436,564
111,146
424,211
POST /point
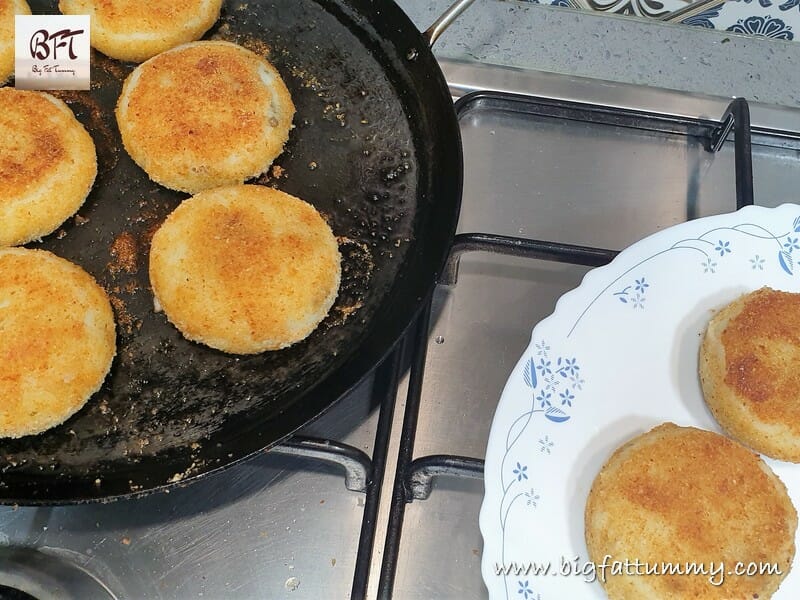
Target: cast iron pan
x,y
376,149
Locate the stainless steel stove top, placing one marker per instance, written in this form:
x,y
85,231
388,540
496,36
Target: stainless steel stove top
x,y
279,526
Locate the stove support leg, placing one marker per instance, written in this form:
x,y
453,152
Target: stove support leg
x,y
391,548
356,464
737,118
423,471
386,381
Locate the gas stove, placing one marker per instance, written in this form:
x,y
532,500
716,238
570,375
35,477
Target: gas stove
x,y
380,497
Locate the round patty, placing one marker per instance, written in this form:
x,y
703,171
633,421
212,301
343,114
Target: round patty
x,y
134,31
203,115
750,371
681,495
57,340
9,8
245,268
47,165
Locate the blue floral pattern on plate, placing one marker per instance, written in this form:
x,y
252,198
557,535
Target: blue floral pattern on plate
x,y
714,253
554,385
634,295
577,391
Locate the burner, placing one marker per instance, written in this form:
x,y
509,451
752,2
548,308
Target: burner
x,y
8,593
33,574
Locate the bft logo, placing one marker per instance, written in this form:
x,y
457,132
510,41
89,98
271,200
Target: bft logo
x,y
45,45
51,52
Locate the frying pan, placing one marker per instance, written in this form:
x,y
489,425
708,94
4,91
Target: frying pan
x,y
376,148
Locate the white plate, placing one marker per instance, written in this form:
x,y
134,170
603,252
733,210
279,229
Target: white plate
x,y
616,358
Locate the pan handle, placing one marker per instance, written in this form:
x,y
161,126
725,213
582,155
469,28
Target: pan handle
x,y
432,33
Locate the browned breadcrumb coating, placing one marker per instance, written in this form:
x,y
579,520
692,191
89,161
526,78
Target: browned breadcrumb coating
x,y
682,495
47,165
57,340
133,30
203,115
750,371
245,268
8,9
